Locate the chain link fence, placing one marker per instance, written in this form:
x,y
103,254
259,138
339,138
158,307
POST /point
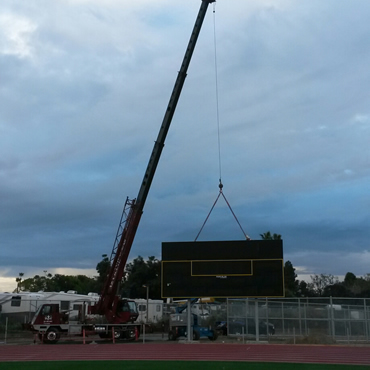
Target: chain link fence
x,y
292,320
326,319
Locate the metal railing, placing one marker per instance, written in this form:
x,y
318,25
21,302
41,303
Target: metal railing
x,y
341,319
289,319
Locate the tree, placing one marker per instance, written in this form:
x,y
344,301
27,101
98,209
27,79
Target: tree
x,y
350,287
102,268
60,283
359,287
268,236
154,277
139,273
303,289
349,279
290,280
19,281
337,289
320,282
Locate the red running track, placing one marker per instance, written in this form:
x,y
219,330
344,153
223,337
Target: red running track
x,y
188,351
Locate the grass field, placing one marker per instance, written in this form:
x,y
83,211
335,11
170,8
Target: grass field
x,y
168,365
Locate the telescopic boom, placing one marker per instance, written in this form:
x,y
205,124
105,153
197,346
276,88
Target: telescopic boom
x,y
134,208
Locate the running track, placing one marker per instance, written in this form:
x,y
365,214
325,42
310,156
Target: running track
x,y
188,351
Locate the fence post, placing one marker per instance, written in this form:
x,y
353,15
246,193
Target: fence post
x,y
366,321
305,317
267,320
347,335
332,317
6,330
189,328
299,317
246,316
256,321
143,326
227,317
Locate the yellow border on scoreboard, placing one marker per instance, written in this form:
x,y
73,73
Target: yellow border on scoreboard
x,y
227,296
232,260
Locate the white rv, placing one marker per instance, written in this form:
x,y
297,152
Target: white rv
x,y
151,314
22,306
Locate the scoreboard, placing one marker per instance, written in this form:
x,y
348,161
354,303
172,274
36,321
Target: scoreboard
x,y
242,268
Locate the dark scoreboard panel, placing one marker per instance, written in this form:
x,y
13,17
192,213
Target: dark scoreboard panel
x,y
242,268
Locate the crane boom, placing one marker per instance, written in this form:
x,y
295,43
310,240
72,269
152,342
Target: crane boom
x,y
133,209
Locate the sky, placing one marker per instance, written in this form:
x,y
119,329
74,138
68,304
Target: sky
x,y
276,103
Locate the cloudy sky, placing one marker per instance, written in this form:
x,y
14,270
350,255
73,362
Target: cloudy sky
x,y
84,85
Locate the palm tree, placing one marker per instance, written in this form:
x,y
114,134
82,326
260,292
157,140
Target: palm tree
x,y
18,281
267,236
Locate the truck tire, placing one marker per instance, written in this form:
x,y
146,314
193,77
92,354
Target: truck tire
x,y
52,336
117,334
129,334
196,335
171,335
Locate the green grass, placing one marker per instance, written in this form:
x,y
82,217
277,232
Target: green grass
x,y
167,365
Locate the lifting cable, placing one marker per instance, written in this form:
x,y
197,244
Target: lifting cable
x,y
219,141
228,204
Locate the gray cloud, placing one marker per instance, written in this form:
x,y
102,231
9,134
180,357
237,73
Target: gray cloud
x,y
84,89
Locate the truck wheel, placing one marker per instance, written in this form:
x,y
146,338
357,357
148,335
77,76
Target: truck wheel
x,y
117,334
196,335
171,335
129,334
52,336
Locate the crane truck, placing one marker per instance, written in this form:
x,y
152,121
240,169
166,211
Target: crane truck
x,y
112,313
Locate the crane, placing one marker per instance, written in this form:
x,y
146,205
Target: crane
x,y
51,320
110,304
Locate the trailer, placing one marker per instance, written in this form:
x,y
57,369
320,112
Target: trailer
x,y
22,306
150,311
